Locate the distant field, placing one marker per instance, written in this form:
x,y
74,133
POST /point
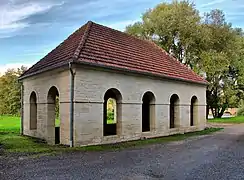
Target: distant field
x,y
12,123
230,120
9,123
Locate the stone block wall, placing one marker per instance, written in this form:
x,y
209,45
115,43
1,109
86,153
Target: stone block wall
x,y
89,90
92,84
41,84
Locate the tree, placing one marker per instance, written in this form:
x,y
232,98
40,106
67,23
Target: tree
x,y
209,45
173,26
10,90
219,62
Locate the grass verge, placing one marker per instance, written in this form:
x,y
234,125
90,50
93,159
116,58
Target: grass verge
x,y
138,143
229,120
12,143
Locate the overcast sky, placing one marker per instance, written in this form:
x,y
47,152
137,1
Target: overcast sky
x,y
29,29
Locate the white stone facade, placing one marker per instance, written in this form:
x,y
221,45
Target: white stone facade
x,y
90,86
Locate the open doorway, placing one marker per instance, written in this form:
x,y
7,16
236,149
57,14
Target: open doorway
x,y
54,113
193,111
33,111
174,111
148,111
112,112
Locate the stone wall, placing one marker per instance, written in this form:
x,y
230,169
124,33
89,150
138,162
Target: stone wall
x,y
92,84
90,88
41,85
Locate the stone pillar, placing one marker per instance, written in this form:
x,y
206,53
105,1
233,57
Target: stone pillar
x,y
50,123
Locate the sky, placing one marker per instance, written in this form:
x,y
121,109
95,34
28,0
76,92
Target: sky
x,y
29,29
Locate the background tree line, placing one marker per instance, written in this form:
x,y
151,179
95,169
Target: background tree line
x,y
207,44
10,92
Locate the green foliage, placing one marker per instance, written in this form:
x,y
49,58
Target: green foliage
x,y
240,112
111,105
173,26
208,44
220,63
110,115
10,92
57,114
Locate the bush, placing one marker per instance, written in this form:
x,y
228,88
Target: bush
x,y
240,111
110,115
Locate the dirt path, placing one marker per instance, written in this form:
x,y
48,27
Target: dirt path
x,y
216,156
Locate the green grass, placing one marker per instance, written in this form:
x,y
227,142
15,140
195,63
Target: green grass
x,y
9,123
110,121
57,123
12,123
138,143
229,120
13,143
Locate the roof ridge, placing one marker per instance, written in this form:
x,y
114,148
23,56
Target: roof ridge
x,y
83,40
126,34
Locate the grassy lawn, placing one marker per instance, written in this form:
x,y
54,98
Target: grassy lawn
x,y
230,120
110,121
9,123
12,143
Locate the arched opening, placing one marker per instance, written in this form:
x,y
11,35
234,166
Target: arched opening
x,y
112,112
193,111
33,111
53,113
174,111
148,111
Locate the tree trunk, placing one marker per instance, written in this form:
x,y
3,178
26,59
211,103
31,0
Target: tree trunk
x,y
207,111
220,114
213,111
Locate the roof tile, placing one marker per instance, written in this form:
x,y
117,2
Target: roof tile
x,y
100,45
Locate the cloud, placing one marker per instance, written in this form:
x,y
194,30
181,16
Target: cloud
x,y
34,17
212,3
12,14
122,24
5,67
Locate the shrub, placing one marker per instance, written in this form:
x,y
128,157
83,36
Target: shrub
x,y
110,115
240,111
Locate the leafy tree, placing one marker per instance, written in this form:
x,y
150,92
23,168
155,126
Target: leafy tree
x,y
10,91
173,26
219,62
208,44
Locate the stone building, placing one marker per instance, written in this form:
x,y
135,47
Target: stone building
x,y
155,94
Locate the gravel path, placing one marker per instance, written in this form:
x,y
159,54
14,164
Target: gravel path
x,y
216,156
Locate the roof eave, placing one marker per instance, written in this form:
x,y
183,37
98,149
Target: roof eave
x,y
112,68
44,70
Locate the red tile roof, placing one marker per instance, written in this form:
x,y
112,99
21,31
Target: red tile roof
x,y
102,46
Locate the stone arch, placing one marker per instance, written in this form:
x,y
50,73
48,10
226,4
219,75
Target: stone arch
x,y
112,126
33,111
52,104
174,111
194,111
148,111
